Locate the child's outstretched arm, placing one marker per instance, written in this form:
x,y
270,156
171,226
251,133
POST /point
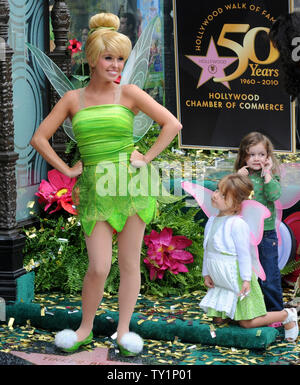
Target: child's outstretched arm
x,y
208,282
241,237
272,187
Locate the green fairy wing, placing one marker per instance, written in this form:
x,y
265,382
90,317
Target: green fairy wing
x,y
57,78
68,128
135,72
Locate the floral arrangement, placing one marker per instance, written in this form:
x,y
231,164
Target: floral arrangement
x,y
58,252
165,252
74,46
57,191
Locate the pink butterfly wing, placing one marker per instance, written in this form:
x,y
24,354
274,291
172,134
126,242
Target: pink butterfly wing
x,y
290,191
202,196
254,213
290,185
256,265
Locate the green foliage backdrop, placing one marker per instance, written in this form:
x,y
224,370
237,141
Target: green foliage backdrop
x,y
58,248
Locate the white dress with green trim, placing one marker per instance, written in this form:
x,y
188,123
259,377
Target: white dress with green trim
x,y
227,260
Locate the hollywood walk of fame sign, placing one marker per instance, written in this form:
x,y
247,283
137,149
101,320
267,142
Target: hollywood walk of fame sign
x,y
212,67
228,78
98,356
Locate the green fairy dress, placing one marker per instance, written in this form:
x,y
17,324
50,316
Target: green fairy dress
x,y
109,188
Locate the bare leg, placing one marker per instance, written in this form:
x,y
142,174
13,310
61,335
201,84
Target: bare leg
x,y
99,247
220,320
130,243
270,317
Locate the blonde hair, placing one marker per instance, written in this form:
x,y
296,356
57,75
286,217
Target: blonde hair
x,y
250,140
238,187
103,36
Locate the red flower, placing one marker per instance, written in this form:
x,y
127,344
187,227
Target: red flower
x,y
75,46
57,190
165,252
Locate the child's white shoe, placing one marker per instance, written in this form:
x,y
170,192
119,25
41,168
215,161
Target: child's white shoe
x,y
291,334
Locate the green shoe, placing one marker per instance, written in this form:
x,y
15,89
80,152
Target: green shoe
x,y
126,353
133,342
77,345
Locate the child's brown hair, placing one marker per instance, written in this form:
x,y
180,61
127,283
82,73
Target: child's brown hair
x,y
250,140
238,187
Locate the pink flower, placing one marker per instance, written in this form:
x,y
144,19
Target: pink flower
x,y
75,46
165,252
57,190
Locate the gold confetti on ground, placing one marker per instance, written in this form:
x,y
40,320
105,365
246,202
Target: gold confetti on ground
x,y
151,309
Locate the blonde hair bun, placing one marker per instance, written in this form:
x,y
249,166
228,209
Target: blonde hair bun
x,y
103,36
104,20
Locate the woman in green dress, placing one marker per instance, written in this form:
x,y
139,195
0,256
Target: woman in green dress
x,y
102,116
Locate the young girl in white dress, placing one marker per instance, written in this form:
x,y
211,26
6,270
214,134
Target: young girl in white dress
x,y
233,289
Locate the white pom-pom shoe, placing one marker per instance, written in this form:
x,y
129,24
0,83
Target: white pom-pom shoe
x,y
291,334
67,341
131,344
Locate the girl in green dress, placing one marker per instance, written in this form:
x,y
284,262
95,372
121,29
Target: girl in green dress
x,y
233,289
102,115
257,161
230,260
